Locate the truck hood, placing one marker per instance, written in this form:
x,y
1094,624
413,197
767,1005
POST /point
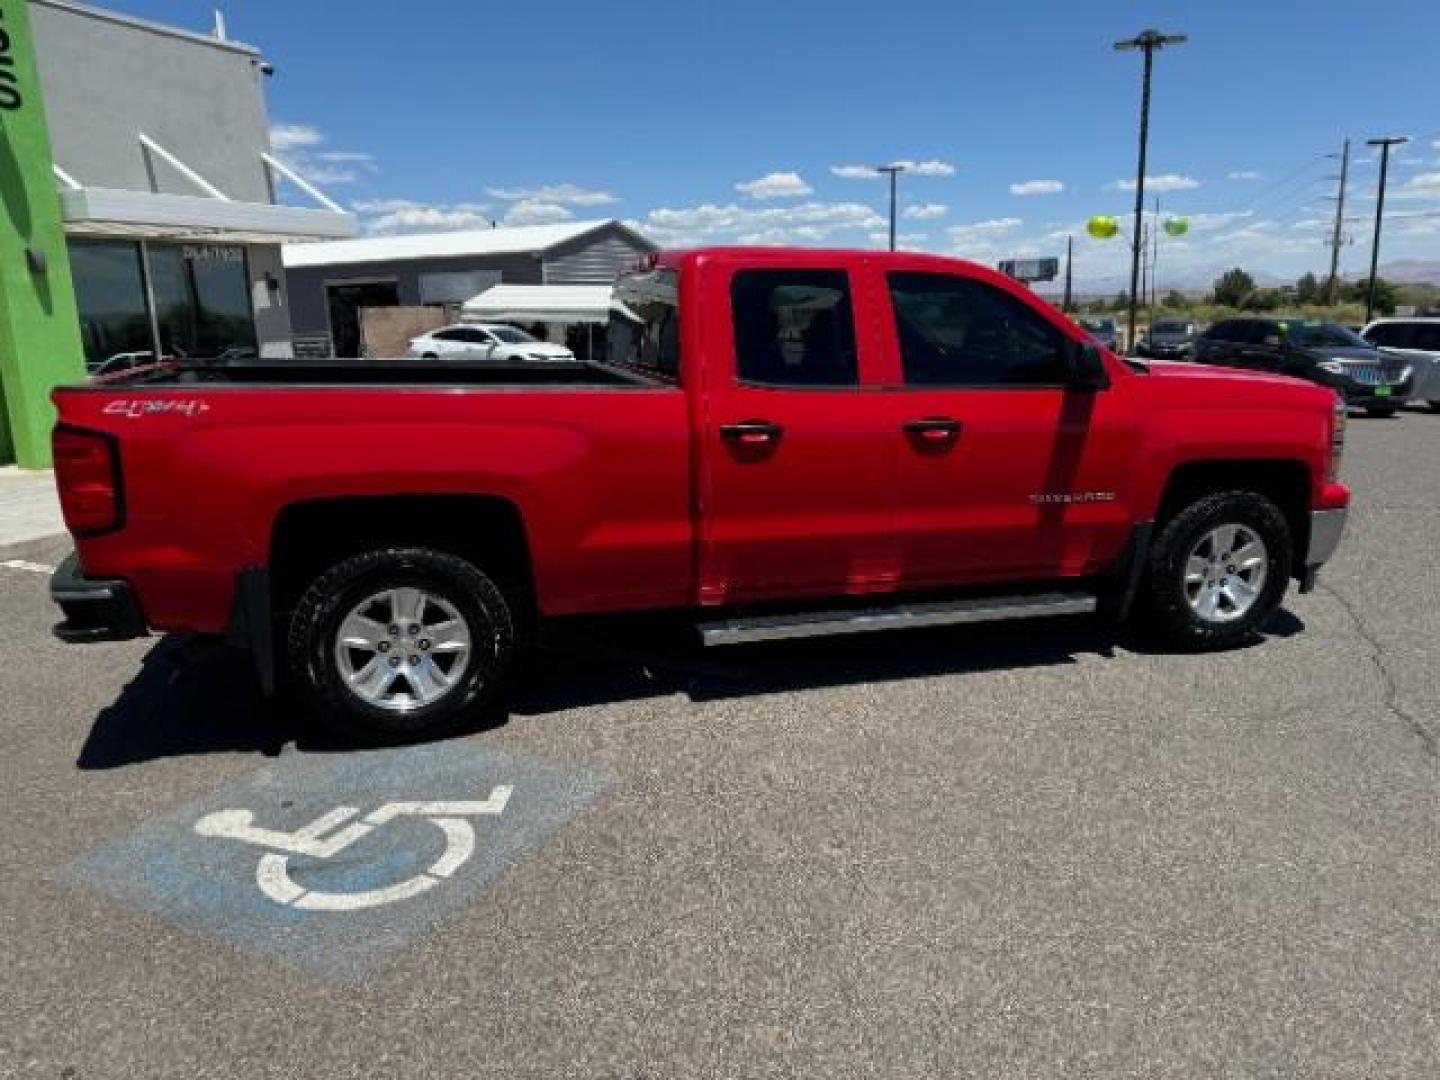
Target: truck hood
x,y
1220,376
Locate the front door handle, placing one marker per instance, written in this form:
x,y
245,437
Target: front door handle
x,y
933,430
752,433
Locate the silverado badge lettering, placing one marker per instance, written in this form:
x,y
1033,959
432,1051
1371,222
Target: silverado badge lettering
x,y
133,409
1072,496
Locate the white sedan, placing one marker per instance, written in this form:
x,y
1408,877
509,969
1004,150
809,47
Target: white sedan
x,y
486,341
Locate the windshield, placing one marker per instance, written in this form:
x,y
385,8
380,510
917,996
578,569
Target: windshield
x,y
1098,324
511,336
1171,326
1323,335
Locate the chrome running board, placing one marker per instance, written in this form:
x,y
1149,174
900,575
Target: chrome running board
x,y
803,624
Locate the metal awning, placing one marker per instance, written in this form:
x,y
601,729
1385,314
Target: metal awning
x,y
152,215
568,304
89,211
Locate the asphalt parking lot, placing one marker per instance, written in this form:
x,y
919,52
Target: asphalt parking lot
x,y
1028,851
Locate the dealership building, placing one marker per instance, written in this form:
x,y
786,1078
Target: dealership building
x,y
138,205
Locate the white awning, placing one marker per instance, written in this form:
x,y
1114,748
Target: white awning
x,y
90,211
544,304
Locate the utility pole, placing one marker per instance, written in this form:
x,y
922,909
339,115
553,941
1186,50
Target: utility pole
x,y
1384,142
1146,41
1069,252
1336,238
1144,279
1155,258
894,171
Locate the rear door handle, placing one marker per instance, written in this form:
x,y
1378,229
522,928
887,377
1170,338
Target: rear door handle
x,y
751,433
933,430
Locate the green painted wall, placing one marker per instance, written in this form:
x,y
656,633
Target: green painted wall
x,y
39,327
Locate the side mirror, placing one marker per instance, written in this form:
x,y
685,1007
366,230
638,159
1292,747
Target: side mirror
x,y
1086,367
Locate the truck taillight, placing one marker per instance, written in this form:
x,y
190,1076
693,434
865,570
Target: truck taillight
x,y
87,473
1337,440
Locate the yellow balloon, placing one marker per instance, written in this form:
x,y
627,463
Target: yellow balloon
x,y
1102,227
1177,226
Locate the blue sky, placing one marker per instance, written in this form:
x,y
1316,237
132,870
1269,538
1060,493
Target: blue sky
x,y
448,113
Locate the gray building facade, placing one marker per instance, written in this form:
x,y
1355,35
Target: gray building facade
x,y
161,154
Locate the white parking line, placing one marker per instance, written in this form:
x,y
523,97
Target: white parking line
x,y
23,564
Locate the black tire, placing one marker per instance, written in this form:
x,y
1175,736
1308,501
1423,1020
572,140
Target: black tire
x,y
1166,603
429,356
1381,412
1434,405
331,597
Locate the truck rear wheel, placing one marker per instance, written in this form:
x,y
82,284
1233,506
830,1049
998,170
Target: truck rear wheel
x,y
1218,570
400,644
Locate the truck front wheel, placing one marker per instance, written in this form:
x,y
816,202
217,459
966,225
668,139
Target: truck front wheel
x,y
400,643
1218,570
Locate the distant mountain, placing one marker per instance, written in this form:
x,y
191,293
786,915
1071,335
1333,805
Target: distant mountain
x,y
1412,271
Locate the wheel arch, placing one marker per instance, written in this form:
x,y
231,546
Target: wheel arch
x,y
487,530
1285,482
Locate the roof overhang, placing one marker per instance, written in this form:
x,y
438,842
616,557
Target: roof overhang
x,y
570,304
144,215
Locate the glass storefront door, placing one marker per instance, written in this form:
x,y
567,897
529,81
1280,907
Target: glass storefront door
x,y
202,301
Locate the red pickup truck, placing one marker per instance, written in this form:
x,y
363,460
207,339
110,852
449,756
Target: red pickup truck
x,y
781,443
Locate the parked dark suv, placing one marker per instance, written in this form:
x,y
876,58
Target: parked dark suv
x,y
1324,353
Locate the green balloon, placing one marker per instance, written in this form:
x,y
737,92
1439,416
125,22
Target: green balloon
x,y
1102,227
1177,226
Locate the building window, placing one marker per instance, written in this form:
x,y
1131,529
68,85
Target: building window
x,y
202,300
110,292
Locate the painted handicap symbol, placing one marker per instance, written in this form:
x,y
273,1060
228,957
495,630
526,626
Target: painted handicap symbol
x,y
329,834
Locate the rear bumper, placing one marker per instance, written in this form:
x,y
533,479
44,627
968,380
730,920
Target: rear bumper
x,y
94,610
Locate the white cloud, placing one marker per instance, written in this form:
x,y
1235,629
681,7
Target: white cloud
x,y
931,167
1209,222
387,216
992,227
1243,174
1163,182
855,172
297,145
1419,186
1037,187
563,194
925,211
775,185
287,137
803,223
536,212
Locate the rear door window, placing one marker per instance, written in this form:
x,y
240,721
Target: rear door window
x,y
1391,335
1426,336
794,328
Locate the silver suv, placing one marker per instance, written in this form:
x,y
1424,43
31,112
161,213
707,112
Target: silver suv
x,y
1418,341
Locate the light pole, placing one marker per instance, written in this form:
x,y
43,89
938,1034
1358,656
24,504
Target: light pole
x,y
894,170
1384,142
1147,41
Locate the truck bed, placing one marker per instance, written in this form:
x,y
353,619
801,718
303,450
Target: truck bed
x,y
399,372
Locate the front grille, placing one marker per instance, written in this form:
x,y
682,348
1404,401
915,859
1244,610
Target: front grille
x,y
1372,374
